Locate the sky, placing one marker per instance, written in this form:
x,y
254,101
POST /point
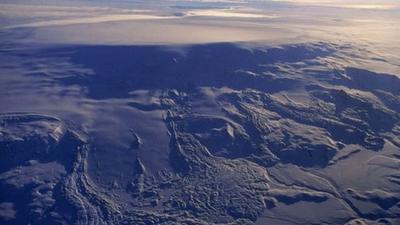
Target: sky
x,y
202,21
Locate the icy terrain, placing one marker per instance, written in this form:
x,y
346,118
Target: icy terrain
x,y
245,131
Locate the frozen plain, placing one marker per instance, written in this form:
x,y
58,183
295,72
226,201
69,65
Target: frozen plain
x,y
200,112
